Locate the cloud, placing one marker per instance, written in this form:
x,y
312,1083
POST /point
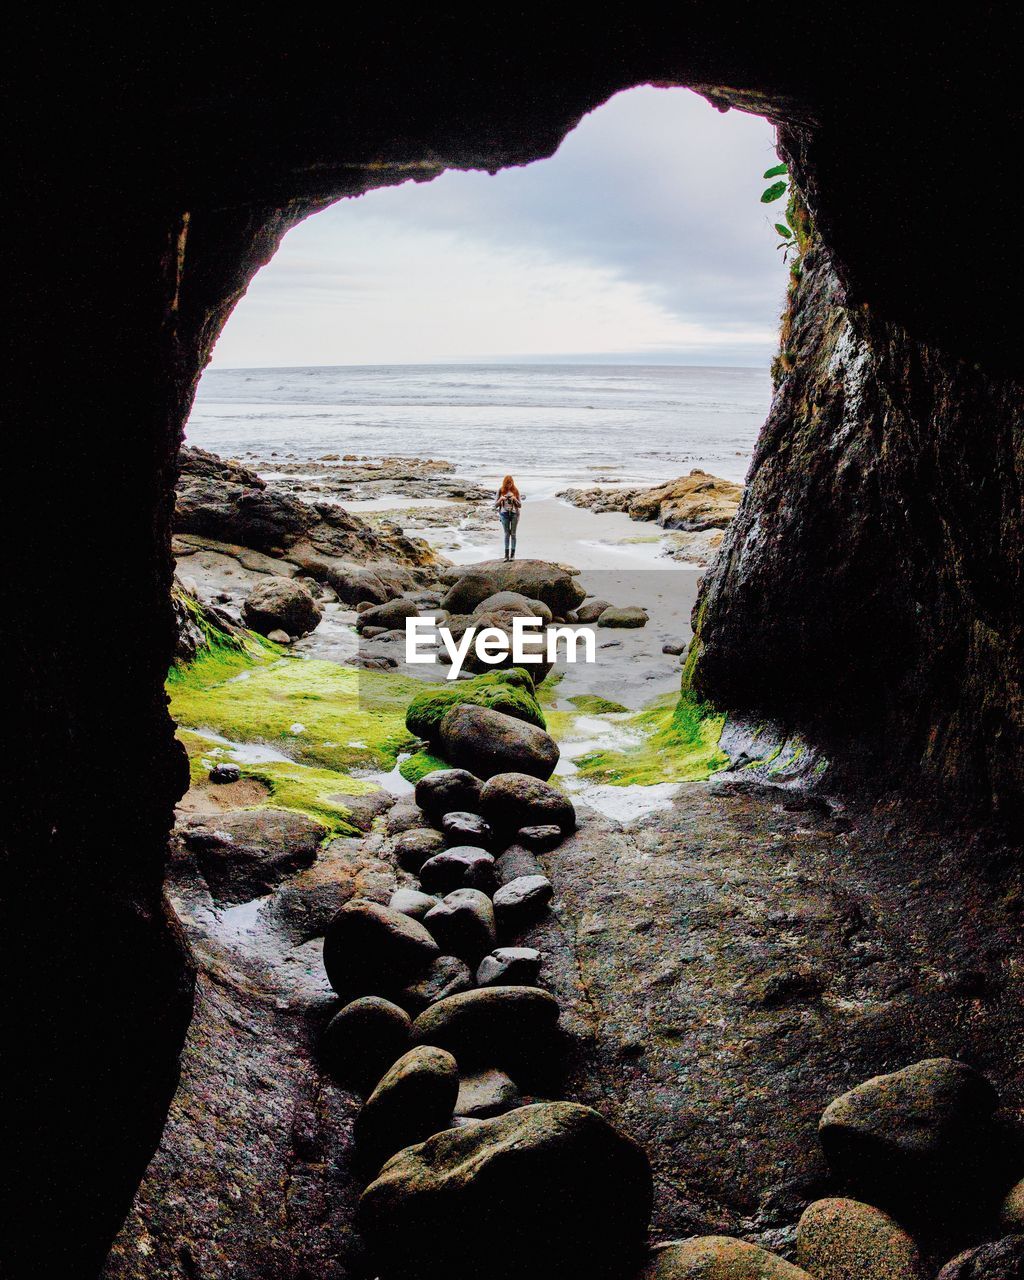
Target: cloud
x,y
643,235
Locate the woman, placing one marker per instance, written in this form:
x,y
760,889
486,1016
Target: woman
x,y
508,503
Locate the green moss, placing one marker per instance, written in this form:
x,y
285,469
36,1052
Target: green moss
x,y
422,762
680,744
593,704
508,691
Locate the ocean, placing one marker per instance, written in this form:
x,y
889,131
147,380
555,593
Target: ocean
x,y
573,423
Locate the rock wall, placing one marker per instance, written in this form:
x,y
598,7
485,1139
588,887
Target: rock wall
x,y
869,592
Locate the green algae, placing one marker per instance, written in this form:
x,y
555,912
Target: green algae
x,y
593,704
679,744
510,692
420,763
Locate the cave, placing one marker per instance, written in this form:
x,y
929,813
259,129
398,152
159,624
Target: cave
x,y
869,596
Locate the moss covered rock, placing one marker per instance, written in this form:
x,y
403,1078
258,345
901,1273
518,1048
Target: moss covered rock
x,y
718,1258
841,1239
510,692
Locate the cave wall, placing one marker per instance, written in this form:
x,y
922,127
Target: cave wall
x,y
155,174
869,592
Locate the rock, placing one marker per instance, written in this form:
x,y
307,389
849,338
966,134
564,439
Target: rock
x,y
512,602
521,901
464,867
446,790
487,1093
509,967
591,610
541,837
392,615
463,924
675,648
1011,1214
412,903
413,848
362,810
551,1190
414,1099
466,828
222,773
281,604
447,976
917,1138
997,1260
492,1026
692,502
718,1258
404,816
371,950
516,862
245,853
362,1041
510,692
490,742
629,615
846,1240
512,800
534,579
278,636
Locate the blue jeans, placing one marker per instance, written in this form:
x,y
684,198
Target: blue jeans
x,y
509,522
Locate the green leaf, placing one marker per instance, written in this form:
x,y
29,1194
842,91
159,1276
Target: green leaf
x,y
773,193
778,172
783,231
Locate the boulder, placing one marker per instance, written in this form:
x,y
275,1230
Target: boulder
x,y
510,692
391,615
534,579
221,774
718,1258
281,604
511,602
541,837
463,924
591,610
490,742
413,1100
509,967
412,903
447,790
846,1240
362,1040
916,1140
413,848
466,828
404,816
551,1190
1011,1214
244,853
629,615
516,799
522,901
997,1260
464,867
492,1026
371,950
515,862
447,976
486,1093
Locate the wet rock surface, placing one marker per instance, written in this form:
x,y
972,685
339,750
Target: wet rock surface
x,y
492,742
245,853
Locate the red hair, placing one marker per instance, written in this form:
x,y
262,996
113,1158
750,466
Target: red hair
x,y
508,485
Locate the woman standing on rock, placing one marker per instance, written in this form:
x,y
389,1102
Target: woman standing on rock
x,y
508,503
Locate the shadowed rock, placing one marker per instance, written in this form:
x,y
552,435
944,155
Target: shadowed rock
x,y
514,799
445,790
846,1240
413,1100
503,1026
362,1040
371,950
719,1258
489,742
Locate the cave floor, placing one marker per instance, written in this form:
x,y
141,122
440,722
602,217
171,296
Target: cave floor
x,y
725,968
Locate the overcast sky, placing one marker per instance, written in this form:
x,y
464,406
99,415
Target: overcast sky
x,y
642,239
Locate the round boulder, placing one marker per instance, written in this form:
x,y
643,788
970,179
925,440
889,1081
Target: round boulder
x,y
464,867
447,976
490,742
362,1040
996,1260
486,1093
445,790
462,827
1011,1215
415,1099
551,1190
512,800
591,610
534,579
845,1240
371,950
718,1258
281,604
463,924
629,615
493,1026
413,848
509,967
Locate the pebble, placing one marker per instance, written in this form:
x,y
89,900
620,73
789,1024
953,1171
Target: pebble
x,y
509,967
492,1026
486,1093
447,976
463,924
222,773
510,801
521,901
463,828
463,867
541,838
